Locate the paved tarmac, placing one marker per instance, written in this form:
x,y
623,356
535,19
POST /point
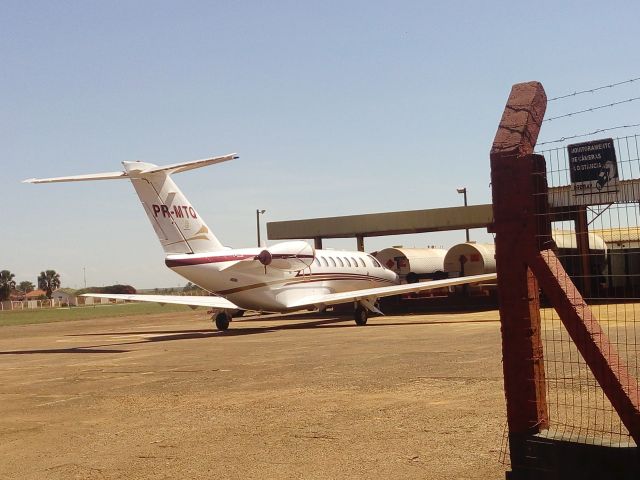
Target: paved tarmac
x,y
168,397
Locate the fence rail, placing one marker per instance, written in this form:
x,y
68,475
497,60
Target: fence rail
x,y
608,277
55,303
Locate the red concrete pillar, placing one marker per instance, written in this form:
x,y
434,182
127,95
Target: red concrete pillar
x,y
517,177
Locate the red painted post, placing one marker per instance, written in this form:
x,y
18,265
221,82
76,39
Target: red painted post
x,y
524,261
515,178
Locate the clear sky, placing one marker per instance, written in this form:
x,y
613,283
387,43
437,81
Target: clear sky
x,y
335,108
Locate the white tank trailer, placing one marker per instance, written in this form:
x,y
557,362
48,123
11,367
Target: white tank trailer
x,y
413,264
477,258
466,259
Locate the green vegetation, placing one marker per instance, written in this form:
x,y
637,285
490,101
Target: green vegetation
x,y
47,315
48,281
193,289
117,289
26,286
7,283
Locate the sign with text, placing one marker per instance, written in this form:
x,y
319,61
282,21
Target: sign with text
x,y
593,168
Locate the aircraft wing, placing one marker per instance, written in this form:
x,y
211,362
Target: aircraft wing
x,y
370,295
191,301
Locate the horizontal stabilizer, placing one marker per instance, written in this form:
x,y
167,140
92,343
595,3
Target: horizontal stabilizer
x,y
132,171
79,178
192,301
184,166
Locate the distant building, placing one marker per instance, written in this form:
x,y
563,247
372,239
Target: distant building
x,y
35,295
65,296
16,295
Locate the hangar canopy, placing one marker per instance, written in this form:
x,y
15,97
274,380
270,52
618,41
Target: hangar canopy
x,y
378,224
421,221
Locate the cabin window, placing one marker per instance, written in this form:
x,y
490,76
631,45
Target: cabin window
x,y
324,261
316,261
347,263
340,263
361,262
354,262
332,261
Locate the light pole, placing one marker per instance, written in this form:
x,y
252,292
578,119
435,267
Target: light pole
x,y
463,190
258,212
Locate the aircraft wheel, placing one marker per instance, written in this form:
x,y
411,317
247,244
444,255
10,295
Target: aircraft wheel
x,y
222,321
360,315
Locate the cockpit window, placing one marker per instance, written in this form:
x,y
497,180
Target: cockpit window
x,y
376,263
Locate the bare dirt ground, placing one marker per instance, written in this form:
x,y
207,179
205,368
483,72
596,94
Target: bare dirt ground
x,y
168,397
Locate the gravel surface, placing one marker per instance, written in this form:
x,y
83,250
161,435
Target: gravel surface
x,y
168,397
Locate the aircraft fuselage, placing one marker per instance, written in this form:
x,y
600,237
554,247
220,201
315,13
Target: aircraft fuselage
x,y
235,275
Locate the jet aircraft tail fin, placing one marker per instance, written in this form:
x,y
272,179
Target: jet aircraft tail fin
x,y
176,223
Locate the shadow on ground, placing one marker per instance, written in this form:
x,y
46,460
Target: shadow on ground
x,y
178,335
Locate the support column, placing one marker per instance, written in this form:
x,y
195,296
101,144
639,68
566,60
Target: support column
x,y
317,243
517,177
582,240
360,241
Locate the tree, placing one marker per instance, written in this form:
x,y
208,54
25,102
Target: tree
x,y
193,289
26,286
7,283
48,281
119,289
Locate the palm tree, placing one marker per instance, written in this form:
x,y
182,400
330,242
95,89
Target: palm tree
x,y
7,283
48,281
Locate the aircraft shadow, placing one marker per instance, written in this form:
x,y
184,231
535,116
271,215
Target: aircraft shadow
x,y
177,335
168,335
326,322
64,350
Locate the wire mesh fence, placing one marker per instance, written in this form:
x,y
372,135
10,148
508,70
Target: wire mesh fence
x,y
597,239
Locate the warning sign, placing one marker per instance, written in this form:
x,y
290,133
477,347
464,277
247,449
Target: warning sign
x,y
593,167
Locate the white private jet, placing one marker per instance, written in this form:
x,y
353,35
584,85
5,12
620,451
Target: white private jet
x,y
284,277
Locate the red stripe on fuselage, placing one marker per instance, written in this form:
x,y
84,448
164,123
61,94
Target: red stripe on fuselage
x,y
185,262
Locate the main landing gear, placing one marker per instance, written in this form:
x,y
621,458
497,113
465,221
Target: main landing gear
x,y
362,308
222,320
360,315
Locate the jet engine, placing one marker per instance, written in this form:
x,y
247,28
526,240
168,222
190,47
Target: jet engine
x,y
292,256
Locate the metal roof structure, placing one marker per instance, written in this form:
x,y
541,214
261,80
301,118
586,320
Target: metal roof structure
x,y
422,221
378,224
625,237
